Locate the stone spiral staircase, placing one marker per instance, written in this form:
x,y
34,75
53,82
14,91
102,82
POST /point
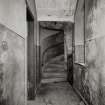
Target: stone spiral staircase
x,y
54,68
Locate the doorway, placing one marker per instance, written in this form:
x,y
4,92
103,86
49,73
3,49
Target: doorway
x,y
52,36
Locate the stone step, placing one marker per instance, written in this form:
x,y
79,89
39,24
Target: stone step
x,y
57,59
55,70
58,62
54,75
53,80
57,84
55,66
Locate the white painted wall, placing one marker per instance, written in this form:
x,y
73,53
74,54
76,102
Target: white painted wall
x,y
13,15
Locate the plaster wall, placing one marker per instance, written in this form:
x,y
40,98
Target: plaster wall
x,y
79,32
13,60
12,71
90,79
95,39
13,15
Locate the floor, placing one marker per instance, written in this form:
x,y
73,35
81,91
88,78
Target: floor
x,y
56,94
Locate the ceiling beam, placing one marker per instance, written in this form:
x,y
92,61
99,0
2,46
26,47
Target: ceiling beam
x,y
59,19
56,10
49,14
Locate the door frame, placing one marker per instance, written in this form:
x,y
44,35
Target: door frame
x,y
30,28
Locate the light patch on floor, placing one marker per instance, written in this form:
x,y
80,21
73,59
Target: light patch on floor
x,y
56,94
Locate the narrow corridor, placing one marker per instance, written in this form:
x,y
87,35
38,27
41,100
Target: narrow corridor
x,y
54,88
52,52
56,94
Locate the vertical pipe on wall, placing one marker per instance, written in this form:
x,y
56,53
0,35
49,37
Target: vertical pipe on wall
x,y
84,35
73,47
